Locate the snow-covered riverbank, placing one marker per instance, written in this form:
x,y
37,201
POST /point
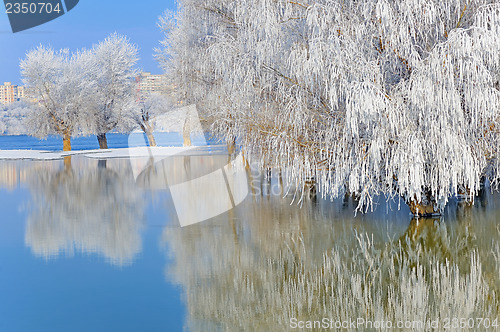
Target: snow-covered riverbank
x,y
134,152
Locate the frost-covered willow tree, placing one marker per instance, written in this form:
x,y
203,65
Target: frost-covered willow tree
x,y
399,98
57,79
113,71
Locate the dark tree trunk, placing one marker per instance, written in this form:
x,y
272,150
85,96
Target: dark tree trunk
x,y
103,141
310,188
424,208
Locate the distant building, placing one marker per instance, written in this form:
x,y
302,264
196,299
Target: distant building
x,y
146,84
10,93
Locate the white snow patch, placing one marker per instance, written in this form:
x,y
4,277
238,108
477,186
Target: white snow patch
x,y
136,152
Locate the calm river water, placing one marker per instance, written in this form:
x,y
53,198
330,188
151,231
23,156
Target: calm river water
x,y
89,245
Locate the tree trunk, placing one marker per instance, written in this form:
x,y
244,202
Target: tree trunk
x,y
151,139
103,141
187,139
186,133
147,128
310,188
483,198
250,177
426,207
280,181
67,141
231,146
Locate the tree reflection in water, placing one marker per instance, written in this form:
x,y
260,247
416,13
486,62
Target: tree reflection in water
x,y
266,261
278,262
85,206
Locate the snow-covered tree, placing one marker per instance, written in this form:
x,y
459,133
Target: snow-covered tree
x,y
57,80
85,92
144,113
13,117
3,127
399,98
113,72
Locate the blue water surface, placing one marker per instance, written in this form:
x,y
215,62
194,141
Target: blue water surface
x,y
115,140
96,245
83,292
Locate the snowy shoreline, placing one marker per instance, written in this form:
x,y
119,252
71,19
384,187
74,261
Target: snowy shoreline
x,y
135,152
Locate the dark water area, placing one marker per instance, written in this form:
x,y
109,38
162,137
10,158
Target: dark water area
x,y
200,243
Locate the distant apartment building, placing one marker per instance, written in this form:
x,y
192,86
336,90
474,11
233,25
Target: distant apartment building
x,y
146,84
10,93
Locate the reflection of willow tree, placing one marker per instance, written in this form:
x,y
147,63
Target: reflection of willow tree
x,y
89,209
258,275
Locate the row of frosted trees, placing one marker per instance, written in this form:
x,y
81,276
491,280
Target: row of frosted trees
x,y
89,92
399,98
